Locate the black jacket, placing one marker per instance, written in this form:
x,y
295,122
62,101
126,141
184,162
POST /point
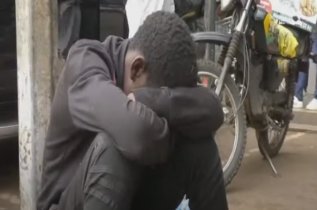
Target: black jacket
x,y
88,100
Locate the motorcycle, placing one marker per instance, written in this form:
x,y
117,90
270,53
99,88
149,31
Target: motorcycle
x,y
253,71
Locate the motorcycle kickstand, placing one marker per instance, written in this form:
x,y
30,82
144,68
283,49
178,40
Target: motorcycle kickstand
x,y
269,159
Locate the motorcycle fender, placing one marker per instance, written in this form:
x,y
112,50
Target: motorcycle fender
x,y
212,37
255,100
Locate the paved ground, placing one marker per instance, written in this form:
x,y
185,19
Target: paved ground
x,y
296,188
255,188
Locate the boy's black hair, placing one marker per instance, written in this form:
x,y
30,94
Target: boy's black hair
x,y
165,41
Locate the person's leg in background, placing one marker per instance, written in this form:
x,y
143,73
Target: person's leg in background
x,y
68,24
82,19
89,25
312,105
95,22
113,10
301,84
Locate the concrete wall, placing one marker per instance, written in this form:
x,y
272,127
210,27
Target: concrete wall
x,y
36,59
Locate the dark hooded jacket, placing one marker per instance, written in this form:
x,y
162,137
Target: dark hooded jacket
x,y
88,100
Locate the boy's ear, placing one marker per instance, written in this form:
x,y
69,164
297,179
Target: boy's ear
x,y
137,68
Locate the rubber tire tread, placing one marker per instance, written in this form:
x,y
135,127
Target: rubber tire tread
x,y
232,170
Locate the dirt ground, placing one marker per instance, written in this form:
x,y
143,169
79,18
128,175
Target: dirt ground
x,y
254,188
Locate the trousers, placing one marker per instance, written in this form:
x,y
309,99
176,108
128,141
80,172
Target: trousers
x,y
106,180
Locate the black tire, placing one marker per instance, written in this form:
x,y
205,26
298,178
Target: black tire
x,y
274,145
230,169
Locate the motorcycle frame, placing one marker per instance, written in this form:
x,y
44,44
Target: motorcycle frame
x,y
256,97
237,34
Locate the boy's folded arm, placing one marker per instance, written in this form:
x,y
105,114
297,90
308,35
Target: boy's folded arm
x,y
193,112
96,104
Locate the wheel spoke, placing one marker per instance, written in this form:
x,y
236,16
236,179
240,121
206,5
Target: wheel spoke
x,y
226,136
231,136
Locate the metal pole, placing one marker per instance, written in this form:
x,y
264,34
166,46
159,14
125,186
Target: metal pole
x,y
210,19
36,50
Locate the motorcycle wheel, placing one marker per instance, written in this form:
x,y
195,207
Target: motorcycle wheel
x,y
235,119
271,138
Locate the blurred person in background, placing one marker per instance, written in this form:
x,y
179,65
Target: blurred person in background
x,y
301,83
312,105
89,19
302,80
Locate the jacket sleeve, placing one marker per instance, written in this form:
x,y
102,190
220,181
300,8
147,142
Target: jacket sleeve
x,y
194,113
96,104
